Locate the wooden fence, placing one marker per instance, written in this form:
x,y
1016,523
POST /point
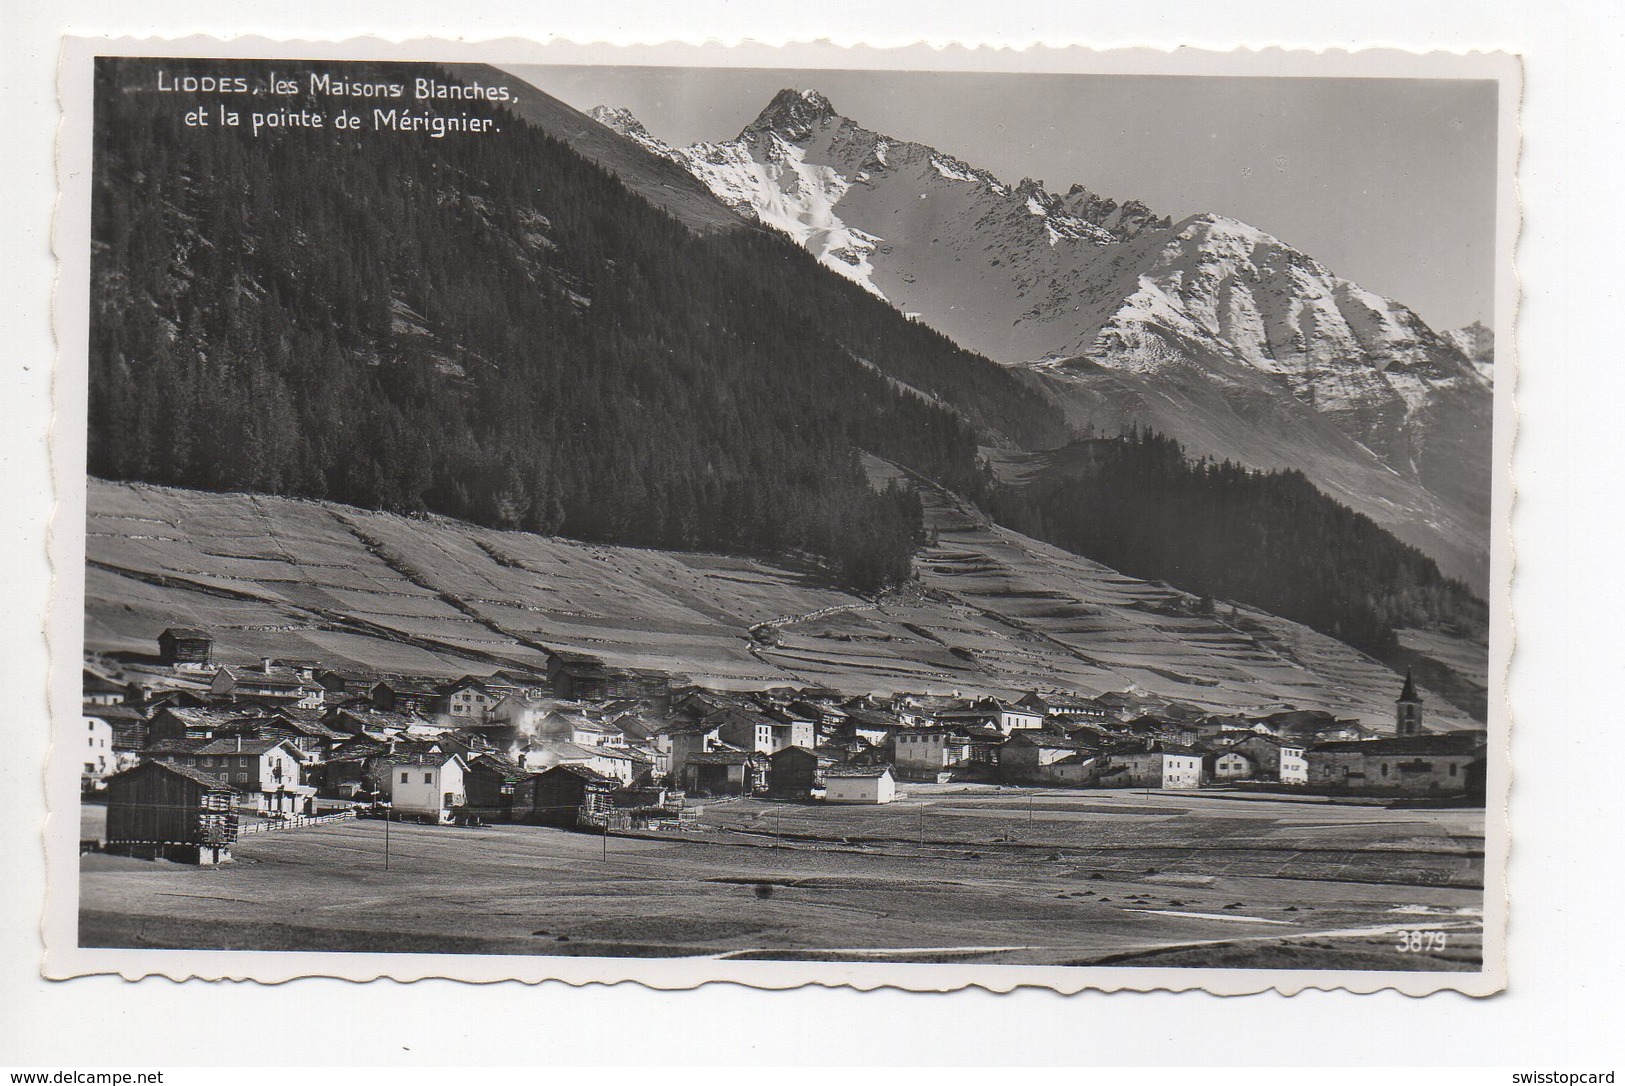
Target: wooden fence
x,y
293,823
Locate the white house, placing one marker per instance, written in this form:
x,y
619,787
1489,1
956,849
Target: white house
x,y
423,785
469,701
1163,766
99,759
542,754
859,784
556,727
267,773
1232,765
1017,718
1294,766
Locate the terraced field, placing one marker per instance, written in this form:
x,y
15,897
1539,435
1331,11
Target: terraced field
x,y
992,611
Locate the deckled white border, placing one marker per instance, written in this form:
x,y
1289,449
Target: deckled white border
x,y
64,959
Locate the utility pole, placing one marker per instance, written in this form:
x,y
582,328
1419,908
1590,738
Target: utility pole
x,y
604,855
387,820
922,823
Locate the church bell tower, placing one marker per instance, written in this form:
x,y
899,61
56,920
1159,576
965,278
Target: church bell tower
x,y
1408,709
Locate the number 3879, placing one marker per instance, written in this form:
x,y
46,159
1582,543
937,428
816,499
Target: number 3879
x,y
1418,942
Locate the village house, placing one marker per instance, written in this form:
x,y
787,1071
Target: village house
x,y
929,754
489,785
150,699
859,784
128,728
426,787
1065,708
870,725
1004,716
414,696
347,776
1448,764
507,682
795,773
754,730
99,758
924,710
343,684
178,722
100,690
1231,765
186,649
1294,767
468,700
1041,758
577,677
566,795
518,711
1159,765
363,719
304,731
174,812
268,684
571,729
541,754
802,727
1273,759
726,773
682,742
823,710
1119,705
266,773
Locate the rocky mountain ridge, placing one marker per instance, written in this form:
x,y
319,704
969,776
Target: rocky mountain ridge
x,y
1212,330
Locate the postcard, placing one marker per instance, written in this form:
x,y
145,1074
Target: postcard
x,y
916,518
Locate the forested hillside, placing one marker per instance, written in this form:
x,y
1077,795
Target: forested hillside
x,y
1266,539
494,328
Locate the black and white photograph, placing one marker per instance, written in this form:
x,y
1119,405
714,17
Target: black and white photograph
x,y
907,524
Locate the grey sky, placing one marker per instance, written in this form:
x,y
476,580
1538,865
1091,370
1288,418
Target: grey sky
x,y
1388,182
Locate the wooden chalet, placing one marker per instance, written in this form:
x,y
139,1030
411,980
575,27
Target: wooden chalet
x,y
404,695
489,785
726,773
566,795
159,810
586,678
185,647
795,772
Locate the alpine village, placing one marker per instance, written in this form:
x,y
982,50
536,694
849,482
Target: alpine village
x,y
187,752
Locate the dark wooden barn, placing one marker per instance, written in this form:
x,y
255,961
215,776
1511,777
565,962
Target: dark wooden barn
x,y
489,786
175,812
726,773
183,645
566,795
587,678
794,773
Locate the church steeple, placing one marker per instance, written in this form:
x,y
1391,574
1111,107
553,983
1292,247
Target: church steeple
x,y
1408,709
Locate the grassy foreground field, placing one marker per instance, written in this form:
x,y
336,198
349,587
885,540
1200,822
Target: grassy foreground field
x,y
976,875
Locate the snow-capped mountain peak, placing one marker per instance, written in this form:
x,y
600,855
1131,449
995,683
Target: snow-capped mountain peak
x,y
1208,329
793,113
622,121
